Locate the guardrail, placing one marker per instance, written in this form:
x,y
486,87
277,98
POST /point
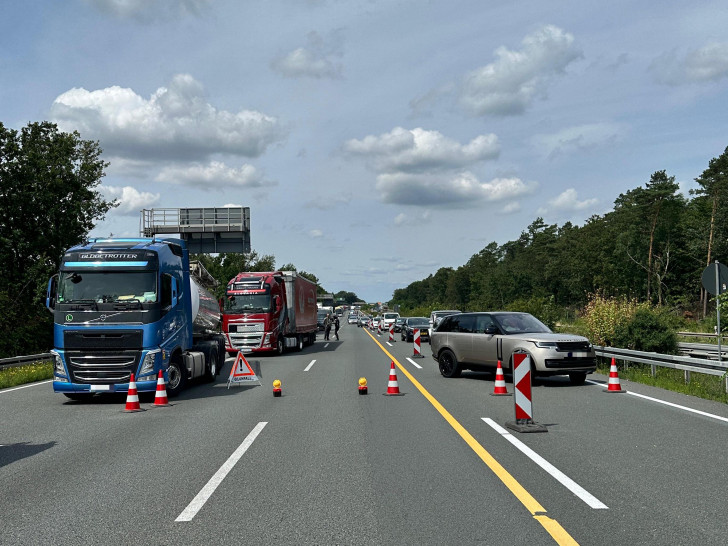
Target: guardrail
x,y
23,360
686,363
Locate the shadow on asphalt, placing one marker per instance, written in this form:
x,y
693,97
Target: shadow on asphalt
x,y
14,452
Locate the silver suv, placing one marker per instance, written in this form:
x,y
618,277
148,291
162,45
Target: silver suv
x,y
477,341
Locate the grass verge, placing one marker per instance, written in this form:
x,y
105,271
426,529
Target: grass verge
x,y
710,387
12,377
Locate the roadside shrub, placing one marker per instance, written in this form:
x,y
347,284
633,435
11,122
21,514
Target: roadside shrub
x,y
648,330
603,316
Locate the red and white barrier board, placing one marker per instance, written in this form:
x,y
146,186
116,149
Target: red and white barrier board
x,y
522,396
416,344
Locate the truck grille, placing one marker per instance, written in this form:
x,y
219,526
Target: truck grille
x,y
245,328
102,357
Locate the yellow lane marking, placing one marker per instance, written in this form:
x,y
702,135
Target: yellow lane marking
x,y
538,512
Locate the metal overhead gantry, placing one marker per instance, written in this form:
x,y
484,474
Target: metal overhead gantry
x,y
205,230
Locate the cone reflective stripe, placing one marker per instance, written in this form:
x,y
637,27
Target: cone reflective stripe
x,y
613,385
160,399
416,341
393,386
132,397
500,382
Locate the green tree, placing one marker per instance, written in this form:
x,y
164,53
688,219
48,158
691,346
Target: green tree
x,y
714,188
48,203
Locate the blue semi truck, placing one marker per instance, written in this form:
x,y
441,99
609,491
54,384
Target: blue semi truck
x,y
132,306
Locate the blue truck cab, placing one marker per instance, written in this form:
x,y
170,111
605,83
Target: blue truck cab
x,y
131,306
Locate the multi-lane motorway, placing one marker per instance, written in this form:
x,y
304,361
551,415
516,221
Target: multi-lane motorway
x,y
325,465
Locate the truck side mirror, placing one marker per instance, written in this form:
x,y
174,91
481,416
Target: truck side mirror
x,y
52,293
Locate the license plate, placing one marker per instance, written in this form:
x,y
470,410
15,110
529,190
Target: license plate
x,y
578,355
100,388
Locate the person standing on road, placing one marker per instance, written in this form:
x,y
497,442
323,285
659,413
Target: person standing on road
x,y
327,326
337,325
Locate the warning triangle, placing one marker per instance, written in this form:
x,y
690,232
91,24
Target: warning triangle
x,y
241,372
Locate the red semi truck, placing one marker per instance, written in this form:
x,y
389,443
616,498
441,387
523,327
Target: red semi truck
x,y
269,311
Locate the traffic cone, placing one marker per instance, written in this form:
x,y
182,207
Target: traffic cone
x,y
160,399
277,388
132,397
363,385
613,385
393,386
500,383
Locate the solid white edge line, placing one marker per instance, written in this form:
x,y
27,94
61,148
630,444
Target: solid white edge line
x,y
559,476
26,386
309,366
199,501
685,408
414,363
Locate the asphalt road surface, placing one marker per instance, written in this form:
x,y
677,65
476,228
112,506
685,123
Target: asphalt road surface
x,y
324,465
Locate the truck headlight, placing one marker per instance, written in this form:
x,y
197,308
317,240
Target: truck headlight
x,y
546,344
148,366
59,370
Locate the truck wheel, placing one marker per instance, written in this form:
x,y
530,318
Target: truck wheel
x,y
211,370
280,346
176,377
299,343
577,378
448,364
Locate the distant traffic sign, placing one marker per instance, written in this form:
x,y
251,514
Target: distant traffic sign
x,y
715,272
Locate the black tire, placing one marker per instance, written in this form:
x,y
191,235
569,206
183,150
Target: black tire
x,y
211,370
77,396
448,364
577,378
280,346
299,343
176,377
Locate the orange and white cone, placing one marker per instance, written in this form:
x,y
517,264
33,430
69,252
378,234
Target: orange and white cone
x,y
613,385
160,399
132,397
393,386
500,383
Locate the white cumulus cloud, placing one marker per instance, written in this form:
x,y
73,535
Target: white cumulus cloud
x,y
175,123
417,150
460,190
513,81
567,201
578,138
149,10
131,200
214,175
707,64
320,58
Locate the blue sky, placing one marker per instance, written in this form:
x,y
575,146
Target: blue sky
x,y
374,141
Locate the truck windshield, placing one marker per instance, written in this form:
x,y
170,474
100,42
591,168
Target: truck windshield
x,y
107,287
248,303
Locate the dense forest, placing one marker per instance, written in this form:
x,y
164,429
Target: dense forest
x,y
652,247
